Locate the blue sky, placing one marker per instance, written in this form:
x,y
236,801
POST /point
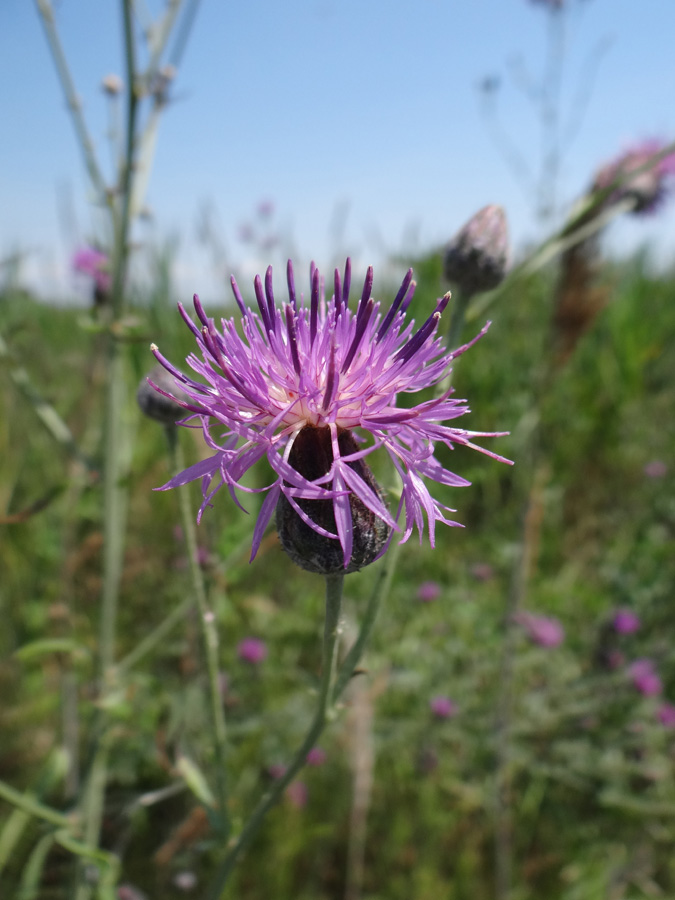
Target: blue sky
x,y
361,110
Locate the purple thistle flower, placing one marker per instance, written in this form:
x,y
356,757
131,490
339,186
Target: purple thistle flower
x,y
645,678
625,621
648,189
666,715
252,650
428,591
94,263
293,388
543,630
443,707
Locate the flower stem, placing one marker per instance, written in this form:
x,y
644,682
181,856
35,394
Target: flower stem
x,y
334,585
72,99
209,631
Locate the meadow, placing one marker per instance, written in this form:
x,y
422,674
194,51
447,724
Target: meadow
x,y
549,773
489,718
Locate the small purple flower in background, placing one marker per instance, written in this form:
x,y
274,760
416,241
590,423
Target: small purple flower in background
x,y
295,385
129,892
655,469
185,881
645,677
265,209
94,263
443,707
428,591
482,571
666,715
543,630
252,650
276,771
648,189
297,794
316,757
625,621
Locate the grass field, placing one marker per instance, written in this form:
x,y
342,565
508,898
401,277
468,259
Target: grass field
x,y
556,761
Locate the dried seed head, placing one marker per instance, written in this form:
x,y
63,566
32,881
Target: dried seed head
x,y
112,85
158,406
312,456
476,257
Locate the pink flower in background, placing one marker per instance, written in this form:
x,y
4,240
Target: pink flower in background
x,y
297,794
482,571
316,757
292,383
625,621
666,715
543,630
443,707
94,263
265,209
428,591
647,189
645,678
276,770
252,650
655,469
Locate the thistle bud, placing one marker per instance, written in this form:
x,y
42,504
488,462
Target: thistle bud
x,y
157,406
476,257
312,456
646,189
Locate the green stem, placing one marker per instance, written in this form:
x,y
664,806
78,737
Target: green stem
x,y
114,490
73,101
334,585
28,804
209,630
380,590
155,637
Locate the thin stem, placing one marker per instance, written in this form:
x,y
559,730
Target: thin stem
x,y
93,805
334,584
209,630
74,105
114,490
380,590
155,637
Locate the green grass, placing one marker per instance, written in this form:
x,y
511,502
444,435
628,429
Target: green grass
x,y
591,769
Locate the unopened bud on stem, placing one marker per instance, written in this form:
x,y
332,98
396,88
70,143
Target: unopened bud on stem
x,y
476,257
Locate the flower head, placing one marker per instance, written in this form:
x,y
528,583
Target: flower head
x,y
666,715
625,621
476,257
428,591
94,263
543,630
655,469
442,707
316,757
645,678
252,650
313,387
647,189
